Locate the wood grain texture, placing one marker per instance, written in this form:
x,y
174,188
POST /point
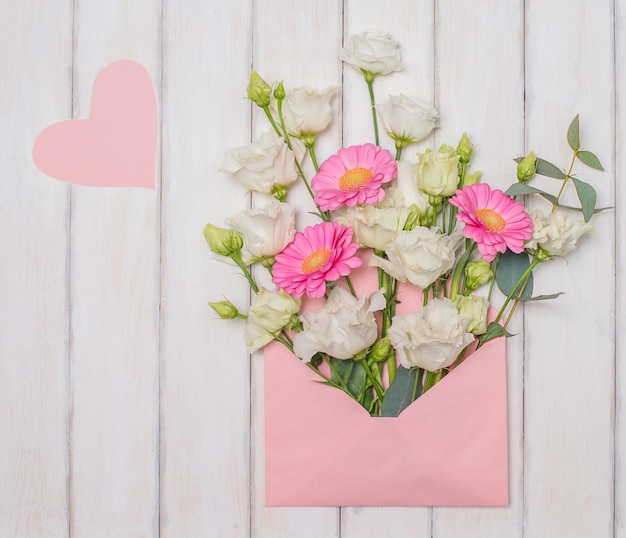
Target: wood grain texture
x,y
205,384
569,356
35,70
114,305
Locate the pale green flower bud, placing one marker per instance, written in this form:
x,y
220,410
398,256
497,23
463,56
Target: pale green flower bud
x,y
258,90
225,309
475,309
465,149
279,91
381,349
473,178
527,167
477,273
413,219
223,241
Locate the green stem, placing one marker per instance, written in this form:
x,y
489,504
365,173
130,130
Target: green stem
x,y
418,375
350,286
458,271
565,180
377,386
268,113
453,209
432,378
399,148
369,79
522,279
236,257
311,149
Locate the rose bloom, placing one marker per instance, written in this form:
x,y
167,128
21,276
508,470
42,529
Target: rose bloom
x,y
308,111
266,231
407,119
269,313
558,233
372,51
419,256
320,253
437,172
492,219
263,164
431,338
342,328
354,175
375,226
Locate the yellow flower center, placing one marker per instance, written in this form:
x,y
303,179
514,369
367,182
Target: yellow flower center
x,y
315,260
355,179
492,220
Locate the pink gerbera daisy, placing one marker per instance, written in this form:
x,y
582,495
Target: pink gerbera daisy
x,y
320,253
353,176
492,219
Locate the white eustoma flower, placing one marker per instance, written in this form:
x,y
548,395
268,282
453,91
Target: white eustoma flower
x,y
308,111
269,313
372,51
375,226
431,338
419,256
266,231
407,183
557,233
264,164
475,308
407,119
342,328
437,172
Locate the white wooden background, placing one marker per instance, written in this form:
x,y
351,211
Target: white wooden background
x,y
127,410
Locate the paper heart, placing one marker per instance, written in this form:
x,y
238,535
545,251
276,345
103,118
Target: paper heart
x,y
116,145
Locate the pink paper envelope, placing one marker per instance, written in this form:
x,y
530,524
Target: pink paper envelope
x,y
448,448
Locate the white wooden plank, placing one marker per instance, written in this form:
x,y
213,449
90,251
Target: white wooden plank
x,y
411,24
295,42
115,304
35,61
480,81
620,292
569,356
205,404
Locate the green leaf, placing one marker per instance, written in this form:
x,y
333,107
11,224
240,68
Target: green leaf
x,y
510,268
545,168
518,189
494,330
399,395
573,135
587,196
596,210
543,297
589,159
352,374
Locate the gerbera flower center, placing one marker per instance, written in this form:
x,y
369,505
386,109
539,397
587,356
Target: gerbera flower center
x,y
355,179
492,220
315,260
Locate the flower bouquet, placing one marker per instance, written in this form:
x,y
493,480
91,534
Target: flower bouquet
x,y
389,293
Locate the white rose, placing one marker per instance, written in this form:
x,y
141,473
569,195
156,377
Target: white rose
x,y
407,183
263,164
475,308
266,231
269,313
419,256
372,51
308,111
437,172
342,328
375,226
558,233
407,119
431,338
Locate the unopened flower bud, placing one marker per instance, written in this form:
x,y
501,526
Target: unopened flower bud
x,y
413,219
258,90
381,349
465,149
279,91
223,241
473,178
527,167
475,308
225,309
477,273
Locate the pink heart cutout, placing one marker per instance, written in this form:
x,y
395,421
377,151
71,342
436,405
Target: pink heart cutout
x,y
116,145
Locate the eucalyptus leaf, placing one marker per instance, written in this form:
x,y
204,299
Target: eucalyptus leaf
x,y
518,189
587,196
399,395
494,330
589,159
543,297
573,135
510,268
545,168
